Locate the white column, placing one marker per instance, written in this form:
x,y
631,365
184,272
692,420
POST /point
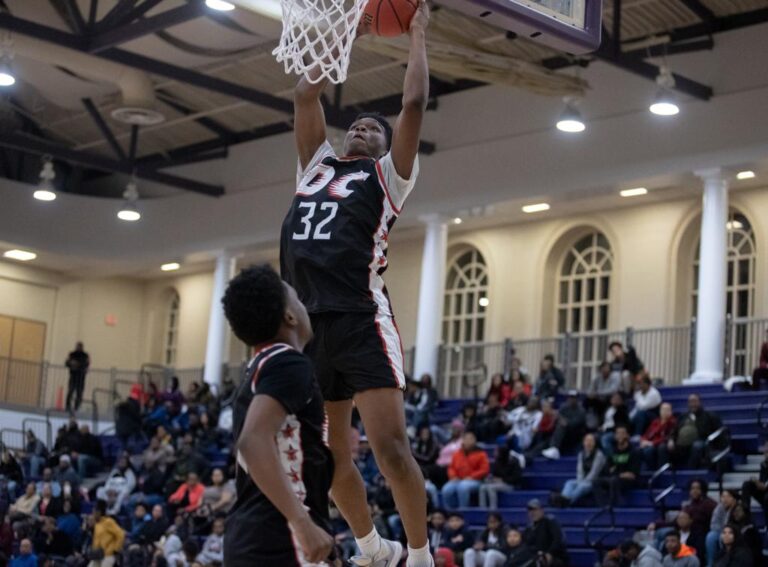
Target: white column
x,y
431,291
713,261
217,348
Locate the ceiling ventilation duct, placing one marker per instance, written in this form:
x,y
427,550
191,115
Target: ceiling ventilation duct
x,y
138,105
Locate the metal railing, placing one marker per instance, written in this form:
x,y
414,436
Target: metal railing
x,y
12,439
717,456
40,427
597,544
659,499
744,338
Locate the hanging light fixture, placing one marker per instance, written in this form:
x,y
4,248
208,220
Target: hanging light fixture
x,y
45,189
665,102
570,119
129,212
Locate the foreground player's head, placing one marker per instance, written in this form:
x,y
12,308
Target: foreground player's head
x,y
369,135
261,308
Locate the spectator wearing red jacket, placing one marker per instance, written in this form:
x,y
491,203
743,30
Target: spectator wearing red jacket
x,y
469,466
653,443
501,388
189,495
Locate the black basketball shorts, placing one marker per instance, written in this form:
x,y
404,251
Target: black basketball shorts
x,y
353,352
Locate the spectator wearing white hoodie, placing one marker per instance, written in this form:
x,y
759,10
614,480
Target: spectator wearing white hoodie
x,y
213,548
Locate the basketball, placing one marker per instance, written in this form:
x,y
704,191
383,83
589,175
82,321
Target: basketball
x,y
389,18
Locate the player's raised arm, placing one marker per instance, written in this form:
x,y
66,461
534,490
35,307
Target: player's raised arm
x,y
407,131
309,118
258,449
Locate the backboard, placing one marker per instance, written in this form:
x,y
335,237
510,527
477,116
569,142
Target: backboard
x,y
572,26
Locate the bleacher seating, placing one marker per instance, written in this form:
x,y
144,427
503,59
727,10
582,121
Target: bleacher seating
x,y
736,409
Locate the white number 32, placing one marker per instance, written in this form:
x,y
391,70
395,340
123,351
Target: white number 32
x,y
330,207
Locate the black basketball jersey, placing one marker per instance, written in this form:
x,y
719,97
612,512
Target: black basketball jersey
x,y
255,528
333,247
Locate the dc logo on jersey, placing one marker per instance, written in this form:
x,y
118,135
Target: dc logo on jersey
x,y
321,176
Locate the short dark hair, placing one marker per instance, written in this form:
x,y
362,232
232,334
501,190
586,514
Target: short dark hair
x,y
673,533
254,304
615,343
701,482
550,357
627,546
381,120
455,515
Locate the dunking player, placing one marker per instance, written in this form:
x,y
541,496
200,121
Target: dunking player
x,y
333,251
279,520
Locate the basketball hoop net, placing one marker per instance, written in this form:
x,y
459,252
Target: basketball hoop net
x,y
317,36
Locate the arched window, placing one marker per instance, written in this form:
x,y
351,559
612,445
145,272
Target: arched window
x,y
583,303
172,329
740,290
466,299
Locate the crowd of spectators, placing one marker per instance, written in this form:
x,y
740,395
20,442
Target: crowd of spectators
x,y
160,503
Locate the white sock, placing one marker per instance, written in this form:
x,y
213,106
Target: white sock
x,y
369,545
419,557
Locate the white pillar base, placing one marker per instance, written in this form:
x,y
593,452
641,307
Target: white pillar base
x,y
703,378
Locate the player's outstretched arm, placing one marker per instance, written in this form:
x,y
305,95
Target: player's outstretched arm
x,y
258,449
407,131
309,118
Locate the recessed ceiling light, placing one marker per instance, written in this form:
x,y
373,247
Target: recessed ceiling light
x,y
220,5
745,175
636,192
734,225
536,208
20,255
7,78
44,195
170,267
484,302
570,119
457,220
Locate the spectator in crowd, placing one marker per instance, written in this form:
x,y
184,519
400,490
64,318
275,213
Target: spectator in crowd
x,y
173,393
760,373
426,451
590,463
207,435
635,555
384,505
108,538
523,423
52,541
506,474
69,523
621,472
140,519
720,517
26,504
741,520
678,554
10,470
437,530
469,416
66,474
366,463
486,551
647,402
6,538
213,548
440,472
501,388
653,443
571,422
604,384
543,535
521,391
757,488
542,439
35,455
733,552
219,497
690,438
153,530
469,466
158,454
551,379
491,422
26,556
120,483
616,415
188,460
516,551
444,558
424,401
626,363
49,505
700,506
89,457
189,495
458,537
690,535
78,363
128,422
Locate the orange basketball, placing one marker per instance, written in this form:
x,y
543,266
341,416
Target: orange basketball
x,y
389,18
